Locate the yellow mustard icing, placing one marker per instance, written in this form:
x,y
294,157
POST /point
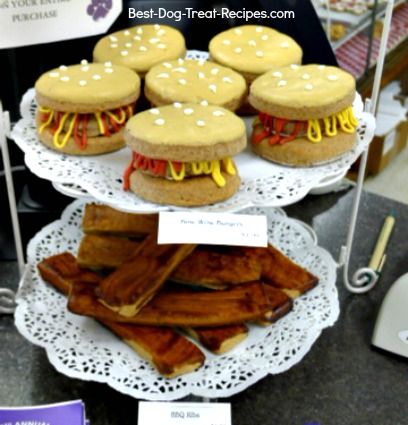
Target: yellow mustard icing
x,y
345,119
62,143
49,120
206,167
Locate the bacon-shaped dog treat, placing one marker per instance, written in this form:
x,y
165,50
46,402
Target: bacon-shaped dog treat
x,y
168,351
103,219
136,281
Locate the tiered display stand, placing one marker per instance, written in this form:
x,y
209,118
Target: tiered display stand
x,y
79,347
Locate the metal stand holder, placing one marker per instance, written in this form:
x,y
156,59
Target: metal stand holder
x,y
7,296
365,278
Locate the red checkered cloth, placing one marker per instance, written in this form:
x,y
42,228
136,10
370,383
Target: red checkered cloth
x,y
352,55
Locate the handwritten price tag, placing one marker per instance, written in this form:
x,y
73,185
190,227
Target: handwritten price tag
x,y
212,229
186,413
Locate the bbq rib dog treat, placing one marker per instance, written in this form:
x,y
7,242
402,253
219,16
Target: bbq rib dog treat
x,y
182,154
305,114
136,281
168,351
192,80
141,47
83,108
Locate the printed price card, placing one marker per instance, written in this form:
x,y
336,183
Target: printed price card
x,y
28,22
212,229
186,413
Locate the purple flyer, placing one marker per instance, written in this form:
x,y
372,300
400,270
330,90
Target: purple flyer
x,y
65,413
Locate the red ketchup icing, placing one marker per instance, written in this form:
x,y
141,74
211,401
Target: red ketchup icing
x,y
273,128
155,166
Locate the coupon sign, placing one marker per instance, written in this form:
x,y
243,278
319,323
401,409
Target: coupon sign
x,y
28,22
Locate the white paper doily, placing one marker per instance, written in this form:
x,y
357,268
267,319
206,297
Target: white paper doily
x,y
263,183
81,348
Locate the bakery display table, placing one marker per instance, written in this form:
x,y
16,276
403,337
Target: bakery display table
x,y
342,379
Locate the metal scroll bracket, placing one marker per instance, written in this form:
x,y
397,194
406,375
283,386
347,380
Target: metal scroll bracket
x,y
7,296
365,278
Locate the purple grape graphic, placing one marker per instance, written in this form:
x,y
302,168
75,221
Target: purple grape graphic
x,y
98,9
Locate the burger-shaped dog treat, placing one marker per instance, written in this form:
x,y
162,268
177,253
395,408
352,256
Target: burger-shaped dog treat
x,y
83,108
140,47
182,154
192,80
306,115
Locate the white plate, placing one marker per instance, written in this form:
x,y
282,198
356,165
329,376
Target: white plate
x,y
79,347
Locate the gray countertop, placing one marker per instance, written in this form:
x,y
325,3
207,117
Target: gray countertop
x,y
341,380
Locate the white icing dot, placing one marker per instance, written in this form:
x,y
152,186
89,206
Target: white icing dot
x,y
167,65
282,83
139,31
284,44
64,79
308,86
201,75
180,61
204,103
82,82
161,32
154,40
200,123
108,70
238,50
201,62
160,121
85,68
252,42
114,45
238,31
306,76
84,62
177,105
163,75
265,37
259,29
137,38
182,81
294,66
259,54
277,74
108,63
54,74
124,52
188,111
156,26
227,80
218,113
161,46
226,42
113,38
321,67
332,77
126,32
213,88
96,77
128,44
63,68
215,71
154,111
180,69
143,48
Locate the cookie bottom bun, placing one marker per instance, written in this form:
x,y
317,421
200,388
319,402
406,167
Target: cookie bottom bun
x,y
182,154
188,192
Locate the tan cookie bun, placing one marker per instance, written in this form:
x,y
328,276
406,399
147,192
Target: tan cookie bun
x,y
194,80
305,114
83,108
253,50
141,47
182,154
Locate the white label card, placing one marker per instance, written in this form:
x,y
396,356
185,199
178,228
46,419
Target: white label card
x,y
212,229
184,413
28,22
